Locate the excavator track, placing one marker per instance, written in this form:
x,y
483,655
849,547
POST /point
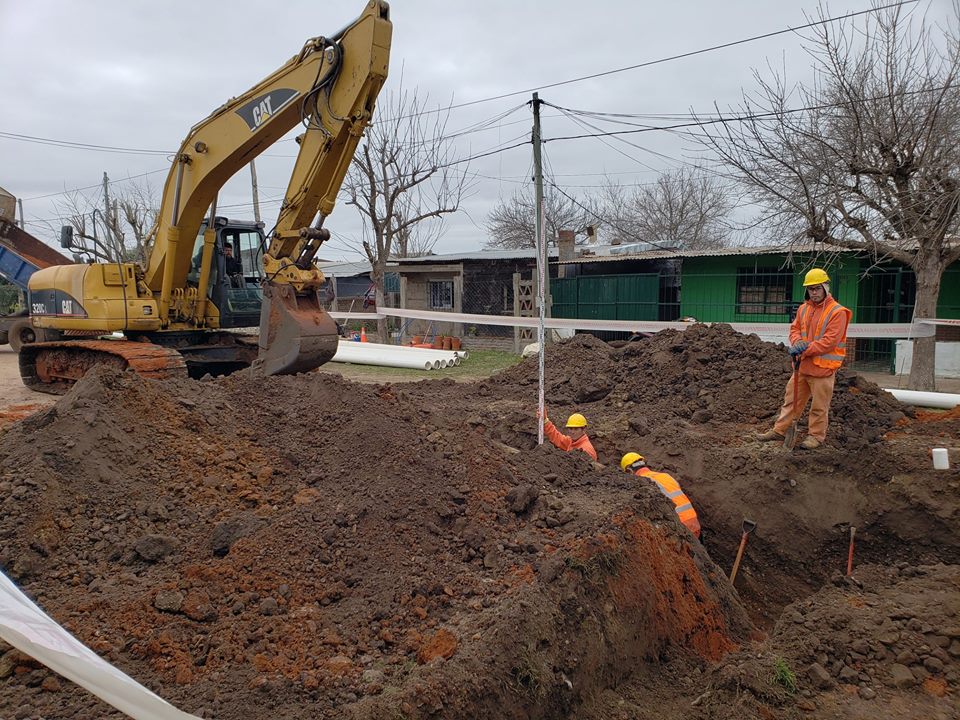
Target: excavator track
x,y
54,367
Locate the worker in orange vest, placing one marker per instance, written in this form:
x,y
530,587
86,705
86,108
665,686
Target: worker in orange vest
x,y
818,344
576,440
635,463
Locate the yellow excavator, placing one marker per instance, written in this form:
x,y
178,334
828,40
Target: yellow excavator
x,y
207,273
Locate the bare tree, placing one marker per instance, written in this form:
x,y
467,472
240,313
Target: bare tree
x,y
133,219
415,240
872,162
512,223
403,180
124,233
684,208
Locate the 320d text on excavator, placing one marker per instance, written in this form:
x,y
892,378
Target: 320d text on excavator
x,y
174,313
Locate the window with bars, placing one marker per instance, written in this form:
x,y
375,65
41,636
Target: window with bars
x,y
441,294
763,291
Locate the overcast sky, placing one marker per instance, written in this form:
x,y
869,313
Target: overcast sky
x,y
138,74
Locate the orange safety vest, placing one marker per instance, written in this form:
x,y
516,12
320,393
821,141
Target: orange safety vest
x,y
833,359
567,443
681,503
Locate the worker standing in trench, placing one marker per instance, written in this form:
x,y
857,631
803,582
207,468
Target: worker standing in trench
x,y
818,340
635,463
576,440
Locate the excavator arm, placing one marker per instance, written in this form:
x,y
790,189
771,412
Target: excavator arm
x,y
330,87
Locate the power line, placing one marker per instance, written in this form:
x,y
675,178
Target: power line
x,y
81,146
97,185
740,118
486,154
604,220
679,56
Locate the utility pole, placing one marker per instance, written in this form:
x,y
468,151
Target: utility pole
x,y
256,193
20,206
111,236
541,258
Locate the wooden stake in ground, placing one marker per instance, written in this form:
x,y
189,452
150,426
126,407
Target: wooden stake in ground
x,y
853,531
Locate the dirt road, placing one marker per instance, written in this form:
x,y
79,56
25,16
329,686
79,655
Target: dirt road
x,y
16,401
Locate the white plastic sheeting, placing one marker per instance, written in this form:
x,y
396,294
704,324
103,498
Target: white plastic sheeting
x,y
32,631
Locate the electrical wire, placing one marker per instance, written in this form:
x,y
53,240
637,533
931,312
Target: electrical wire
x,y
97,185
485,154
723,120
680,56
81,146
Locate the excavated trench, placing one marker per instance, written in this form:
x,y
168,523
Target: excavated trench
x,y
310,547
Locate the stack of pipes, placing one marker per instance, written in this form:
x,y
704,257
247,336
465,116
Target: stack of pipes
x,y
399,356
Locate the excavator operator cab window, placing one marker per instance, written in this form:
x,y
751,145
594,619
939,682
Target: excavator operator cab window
x,y
247,248
241,268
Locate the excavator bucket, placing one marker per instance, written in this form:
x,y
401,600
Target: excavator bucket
x,y
296,334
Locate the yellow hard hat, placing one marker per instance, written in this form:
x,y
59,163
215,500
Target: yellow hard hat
x,y
817,276
629,459
576,421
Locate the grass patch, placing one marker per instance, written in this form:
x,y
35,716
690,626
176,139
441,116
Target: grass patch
x,y
784,676
481,363
528,677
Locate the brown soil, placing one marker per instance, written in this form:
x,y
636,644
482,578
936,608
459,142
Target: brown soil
x,y
310,547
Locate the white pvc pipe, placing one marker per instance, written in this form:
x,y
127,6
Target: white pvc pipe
x,y
944,401
424,352
352,352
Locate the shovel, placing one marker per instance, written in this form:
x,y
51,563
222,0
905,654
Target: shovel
x,y
790,439
748,527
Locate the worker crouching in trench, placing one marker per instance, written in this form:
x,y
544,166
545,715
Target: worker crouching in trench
x,y
635,463
576,440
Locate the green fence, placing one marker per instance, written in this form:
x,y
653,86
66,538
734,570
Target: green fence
x,y
607,297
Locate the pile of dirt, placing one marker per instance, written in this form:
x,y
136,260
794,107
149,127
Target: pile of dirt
x,y
309,547
884,645
702,377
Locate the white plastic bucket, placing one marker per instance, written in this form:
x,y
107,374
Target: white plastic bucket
x,y
941,460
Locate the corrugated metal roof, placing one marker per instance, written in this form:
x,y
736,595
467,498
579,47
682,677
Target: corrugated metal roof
x,y
523,254
344,269
716,252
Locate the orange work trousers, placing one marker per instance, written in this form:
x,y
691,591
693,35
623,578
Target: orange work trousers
x,y
821,389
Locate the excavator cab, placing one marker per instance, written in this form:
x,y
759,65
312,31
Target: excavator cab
x,y
235,282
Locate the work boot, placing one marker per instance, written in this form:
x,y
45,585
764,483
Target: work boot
x,y
768,436
810,443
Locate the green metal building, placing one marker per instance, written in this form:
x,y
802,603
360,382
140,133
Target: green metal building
x,y
742,285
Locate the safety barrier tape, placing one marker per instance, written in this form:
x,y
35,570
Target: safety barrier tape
x,y
856,330
32,631
939,321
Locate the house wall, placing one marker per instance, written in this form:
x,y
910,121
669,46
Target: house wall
x,y
483,287
708,286
415,295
